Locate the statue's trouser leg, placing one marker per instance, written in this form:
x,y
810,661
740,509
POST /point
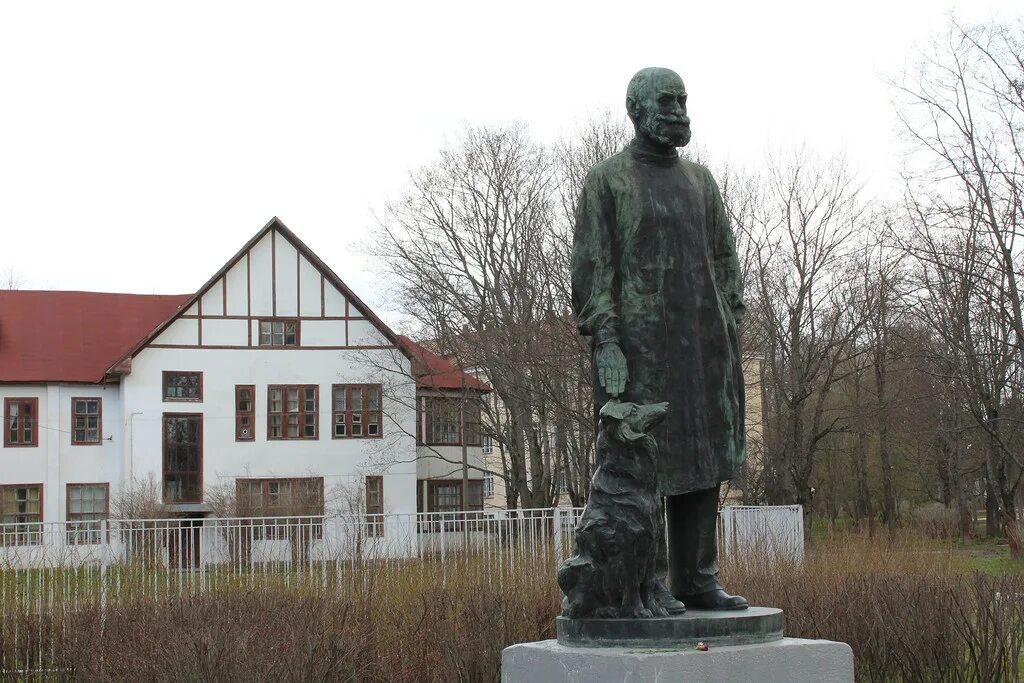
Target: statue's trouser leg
x,y
660,591
692,526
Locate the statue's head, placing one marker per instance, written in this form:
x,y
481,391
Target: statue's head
x,y
656,103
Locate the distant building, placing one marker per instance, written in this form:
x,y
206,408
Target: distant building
x,y
273,386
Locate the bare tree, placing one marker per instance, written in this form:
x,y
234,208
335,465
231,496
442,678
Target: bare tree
x,y
800,222
468,245
9,279
962,105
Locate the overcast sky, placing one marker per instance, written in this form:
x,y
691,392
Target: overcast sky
x,y
142,143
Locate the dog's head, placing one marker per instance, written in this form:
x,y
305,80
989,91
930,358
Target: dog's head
x,y
630,422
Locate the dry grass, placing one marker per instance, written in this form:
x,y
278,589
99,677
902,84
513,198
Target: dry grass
x,y
910,610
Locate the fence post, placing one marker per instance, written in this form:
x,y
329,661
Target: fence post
x,y
104,561
558,536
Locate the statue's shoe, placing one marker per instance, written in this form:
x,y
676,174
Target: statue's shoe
x,y
715,599
665,598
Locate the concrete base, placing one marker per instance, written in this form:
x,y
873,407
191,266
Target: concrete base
x,y
790,660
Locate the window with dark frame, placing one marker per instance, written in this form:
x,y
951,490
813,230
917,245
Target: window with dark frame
x,y
375,507
442,420
183,386
183,457
293,411
448,420
245,412
356,411
86,421
21,514
279,333
21,422
88,506
471,422
300,500
445,495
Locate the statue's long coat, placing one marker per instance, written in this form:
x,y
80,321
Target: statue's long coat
x,y
654,266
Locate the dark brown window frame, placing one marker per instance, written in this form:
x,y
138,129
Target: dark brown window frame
x,y
363,413
74,531
266,512
34,402
251,413
461,423
284,412
163,386
434,484
8,538
99,421
375,509
259,333
163,457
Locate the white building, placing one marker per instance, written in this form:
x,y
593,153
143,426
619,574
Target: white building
x,y
273,387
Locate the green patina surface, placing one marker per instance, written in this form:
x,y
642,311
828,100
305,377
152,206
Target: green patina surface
x,y
656,284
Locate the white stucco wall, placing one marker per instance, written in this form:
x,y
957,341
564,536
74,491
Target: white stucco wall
x,y
342,462
55,462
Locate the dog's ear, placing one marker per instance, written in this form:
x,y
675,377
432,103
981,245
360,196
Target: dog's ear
x,y
614,416
614,411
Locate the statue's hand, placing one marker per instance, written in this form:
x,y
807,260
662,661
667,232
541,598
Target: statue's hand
x,y
611,368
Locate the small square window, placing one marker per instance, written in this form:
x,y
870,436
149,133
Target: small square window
x,y
183,386
279,333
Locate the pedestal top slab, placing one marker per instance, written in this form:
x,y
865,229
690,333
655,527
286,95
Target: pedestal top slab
x,y
714,627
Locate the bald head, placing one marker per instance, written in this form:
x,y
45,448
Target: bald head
x,y
656,103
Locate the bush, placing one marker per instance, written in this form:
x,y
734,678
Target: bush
x,y
906,607
935,520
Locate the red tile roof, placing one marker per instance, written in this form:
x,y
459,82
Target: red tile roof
x,y
434,372
48,336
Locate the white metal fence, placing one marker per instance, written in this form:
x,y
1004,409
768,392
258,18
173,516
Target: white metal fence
x,y
52,571
243,545
767,532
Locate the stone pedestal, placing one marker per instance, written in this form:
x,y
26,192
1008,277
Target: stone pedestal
x,y
744,646
789,660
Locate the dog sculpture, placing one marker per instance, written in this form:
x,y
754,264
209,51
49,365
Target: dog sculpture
x,y
612,573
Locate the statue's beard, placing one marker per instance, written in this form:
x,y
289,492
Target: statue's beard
x,y
657,127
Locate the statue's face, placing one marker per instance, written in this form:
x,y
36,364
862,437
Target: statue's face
x,y
660,112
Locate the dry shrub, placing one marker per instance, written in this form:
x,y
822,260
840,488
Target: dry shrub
x,y
907,608
935,520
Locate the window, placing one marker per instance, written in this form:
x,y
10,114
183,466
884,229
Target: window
x,y
488,444
21,513
357,411
443,418
183,458
300,500
86,416
292,411
279,333
245,412
488,484
183,386
88,505
445,495
375,507
442,421
21,418
471,413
